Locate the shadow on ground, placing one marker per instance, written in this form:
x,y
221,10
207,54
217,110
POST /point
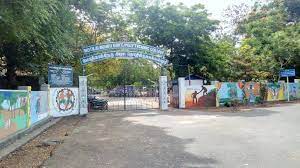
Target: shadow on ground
x,y
259,112
106,140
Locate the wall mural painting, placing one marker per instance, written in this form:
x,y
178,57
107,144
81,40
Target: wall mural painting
x,y
294,91
252,92
228,92
38,106
64,101
201,96
298,90
14,112
276,91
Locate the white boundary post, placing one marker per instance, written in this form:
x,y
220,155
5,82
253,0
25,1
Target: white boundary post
x,y
181,90
163,93
83,104
288,89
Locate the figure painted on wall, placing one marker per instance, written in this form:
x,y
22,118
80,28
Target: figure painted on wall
x,y
228,92
232,90
64,102
194,96
200,96
38,105
252,91
204,90
293,91
65,99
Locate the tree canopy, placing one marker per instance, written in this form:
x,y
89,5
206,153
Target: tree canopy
x,y
262,40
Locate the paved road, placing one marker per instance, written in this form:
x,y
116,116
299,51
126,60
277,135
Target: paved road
x,y
262,138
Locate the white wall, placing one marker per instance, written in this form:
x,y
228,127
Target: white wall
x,y
194,82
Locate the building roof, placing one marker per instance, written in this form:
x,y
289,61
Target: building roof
x,y
194,77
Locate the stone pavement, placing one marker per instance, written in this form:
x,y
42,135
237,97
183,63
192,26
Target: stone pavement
x,y
260,138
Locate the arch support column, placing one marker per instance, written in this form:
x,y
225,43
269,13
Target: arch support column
x,y
163,90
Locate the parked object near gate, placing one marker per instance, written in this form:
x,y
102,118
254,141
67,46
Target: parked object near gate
x,y
96,103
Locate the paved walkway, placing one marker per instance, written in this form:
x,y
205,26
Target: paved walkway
x,y
263,138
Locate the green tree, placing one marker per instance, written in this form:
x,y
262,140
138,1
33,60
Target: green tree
x,y
272,30
183,31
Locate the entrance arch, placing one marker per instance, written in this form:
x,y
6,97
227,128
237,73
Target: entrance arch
x,y
129,50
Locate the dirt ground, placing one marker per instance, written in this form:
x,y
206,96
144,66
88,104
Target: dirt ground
x,y
34,153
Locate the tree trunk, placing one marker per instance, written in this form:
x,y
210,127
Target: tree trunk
x,y
10,54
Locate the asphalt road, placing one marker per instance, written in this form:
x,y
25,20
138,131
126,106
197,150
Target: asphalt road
x,y
261,138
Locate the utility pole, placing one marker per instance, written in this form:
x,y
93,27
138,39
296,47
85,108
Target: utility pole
x,y
189,71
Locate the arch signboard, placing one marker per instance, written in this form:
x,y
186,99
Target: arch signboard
x,y
126,50
123,50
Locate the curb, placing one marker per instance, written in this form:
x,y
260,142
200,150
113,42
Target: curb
x,y
17,140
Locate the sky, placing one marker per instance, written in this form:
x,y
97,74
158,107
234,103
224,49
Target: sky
x,y
215,7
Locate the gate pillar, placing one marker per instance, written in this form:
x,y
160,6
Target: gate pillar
x,y
83,102
163,93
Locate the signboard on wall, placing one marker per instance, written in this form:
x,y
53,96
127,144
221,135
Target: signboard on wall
x,y
288,73
64,102
60,76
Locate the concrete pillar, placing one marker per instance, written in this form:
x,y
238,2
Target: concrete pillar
x,y
181,90
28,88
45,87
163,93
83,96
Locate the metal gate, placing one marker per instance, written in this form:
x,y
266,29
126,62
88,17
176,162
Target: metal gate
x,y
127,95
132,98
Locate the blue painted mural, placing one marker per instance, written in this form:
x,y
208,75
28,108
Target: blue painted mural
x,y
293,89
38,106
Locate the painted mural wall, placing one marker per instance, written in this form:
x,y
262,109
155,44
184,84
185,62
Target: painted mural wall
x,y
14,111
39,106
64,102
200,96
229,91
276,91
298,90
243,92
252,92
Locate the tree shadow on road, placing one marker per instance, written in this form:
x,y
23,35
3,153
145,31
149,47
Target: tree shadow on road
x,y
122,143
242,113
